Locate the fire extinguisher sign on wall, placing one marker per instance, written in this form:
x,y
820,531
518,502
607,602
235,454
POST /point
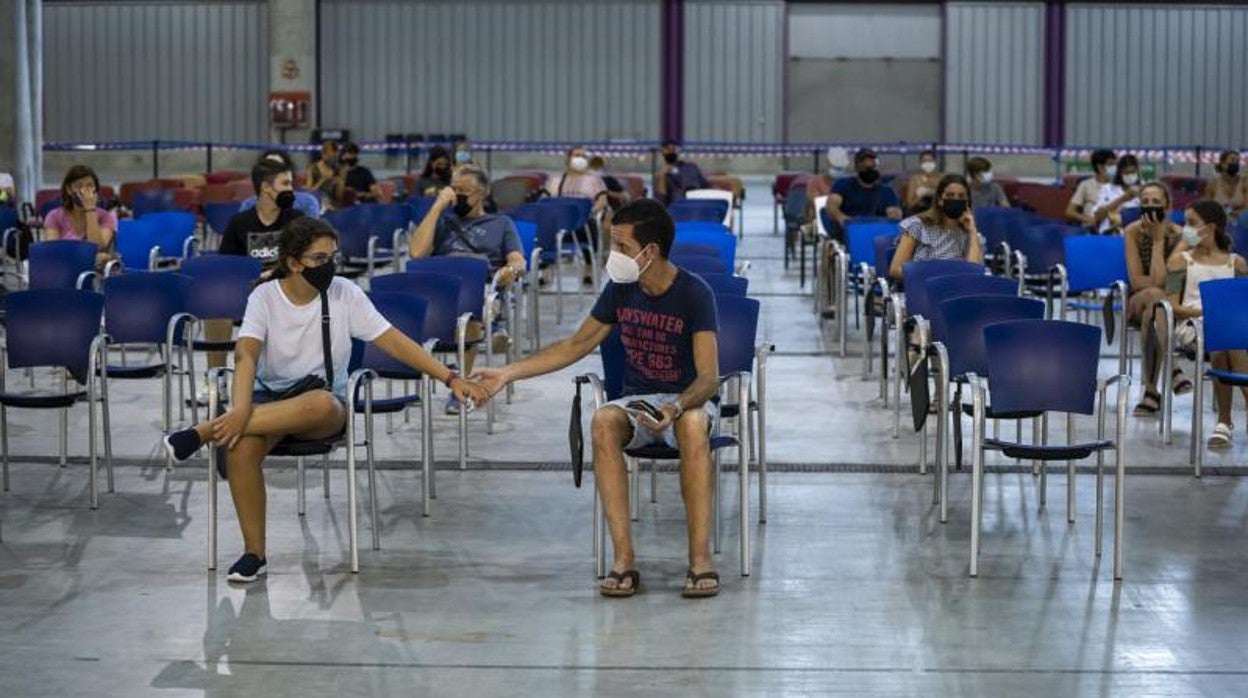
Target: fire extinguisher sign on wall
x,y
288,109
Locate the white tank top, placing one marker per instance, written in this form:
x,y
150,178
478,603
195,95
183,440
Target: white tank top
x,y
1197,272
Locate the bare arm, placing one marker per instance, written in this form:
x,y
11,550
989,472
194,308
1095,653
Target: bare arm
x,y
1177,263
833,208
562,353
516,264
1076,209
1135,271
421,244
974,248
230,427
903,255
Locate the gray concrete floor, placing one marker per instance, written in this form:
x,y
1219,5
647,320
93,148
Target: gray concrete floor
x,y
856,589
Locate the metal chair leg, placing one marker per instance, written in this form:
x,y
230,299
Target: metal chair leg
x,y
325,475
353,534
634,487
717,514
299,486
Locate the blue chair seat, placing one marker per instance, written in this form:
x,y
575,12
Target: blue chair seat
x,y
204,345
1048,452
38,402
389,405
290,447
969,410
136,372
1228,377
665,452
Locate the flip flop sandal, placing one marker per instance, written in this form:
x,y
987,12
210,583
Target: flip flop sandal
x,y
691,589
618,591
1221,438
1180,383
1148,405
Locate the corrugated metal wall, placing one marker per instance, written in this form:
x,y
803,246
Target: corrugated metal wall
x,y
994,72
140,71
734,71
553,70
1156,75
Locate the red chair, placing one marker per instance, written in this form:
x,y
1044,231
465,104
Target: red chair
x,y
1046,200
224,176
186,199
635,185
780,191
242,189
129,189
168,183
216,193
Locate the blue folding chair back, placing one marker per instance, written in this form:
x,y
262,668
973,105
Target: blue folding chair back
x,y
693,249
1130,214
1094,261
965,318
885,248
860,239
48,206
727,284
59,263
527,231
1224,303
53,327
700,265
710,210
1239,236
702,227
1046,365
406,313
582,206
546,219
916,274
567,211
173,229
383,219
219,213
138,306
717,236
222,285
440,293
420,206
136,237
353,233
1043,245
150,201
472,272
995,222
942,288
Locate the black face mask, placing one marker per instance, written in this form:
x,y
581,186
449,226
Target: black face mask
x,y
953,208
869,175
462,207
320,277
1232,169
671,158
350,162
285,199
1153,214
442,172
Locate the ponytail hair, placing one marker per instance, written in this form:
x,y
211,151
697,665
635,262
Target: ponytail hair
x,y
297,236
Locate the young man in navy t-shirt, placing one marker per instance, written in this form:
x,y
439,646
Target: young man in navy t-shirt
x,y
667,328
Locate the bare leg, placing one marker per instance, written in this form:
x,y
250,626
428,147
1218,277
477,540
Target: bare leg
x,y
247,489
217,330
316,414
1221,392
611,430
692,434
1154,343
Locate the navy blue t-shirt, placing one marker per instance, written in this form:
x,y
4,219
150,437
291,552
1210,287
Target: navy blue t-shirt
x,y
857,200
657,331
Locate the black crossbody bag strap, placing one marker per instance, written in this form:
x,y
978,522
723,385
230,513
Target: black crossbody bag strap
x,y
329,360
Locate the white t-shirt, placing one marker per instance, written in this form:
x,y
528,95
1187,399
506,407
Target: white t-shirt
x,y
292,333
1108,193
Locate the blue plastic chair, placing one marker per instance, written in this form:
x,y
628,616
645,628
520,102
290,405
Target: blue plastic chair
x,y
718,237
138,243
221,286
443,321
708,210
1048,366
48,206
58,328
149,201
942,288
406,313
916,274
692,249
147,309
727,284
366,249
219,214
700,265
176,232
738,323
1092,263
1224,305
473,273
62,264
420,206
1042,247
1239,236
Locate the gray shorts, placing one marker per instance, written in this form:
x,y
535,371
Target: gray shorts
x,y
643,436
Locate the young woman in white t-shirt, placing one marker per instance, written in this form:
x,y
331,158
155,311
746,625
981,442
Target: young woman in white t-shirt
x,y
1203,255
280,344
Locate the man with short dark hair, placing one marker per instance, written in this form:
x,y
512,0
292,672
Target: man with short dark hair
x,y
863,194
677,176
467,230
1082,203
357,177
667,323
256,231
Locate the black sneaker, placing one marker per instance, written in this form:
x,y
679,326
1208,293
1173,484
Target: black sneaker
x,y
247,569
182,444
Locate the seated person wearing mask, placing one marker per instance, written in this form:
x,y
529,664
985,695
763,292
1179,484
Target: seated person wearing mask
x,y
676,371
305,202
1118,194
1083,202
984,191
1227,186
676,176
357,177
578,182
437,173
921,185
863,194
615,194
946,230
821,184
467,230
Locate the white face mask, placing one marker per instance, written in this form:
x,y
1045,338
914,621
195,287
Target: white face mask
x,y
624,269
1111,171
578,164
986,177
1130,179
928,166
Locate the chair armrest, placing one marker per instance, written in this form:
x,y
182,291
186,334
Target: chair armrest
x,y
535,258
595,383
84,277
743,268
358,376
97,361
461,331
1063,278
153,257
430,344
190,247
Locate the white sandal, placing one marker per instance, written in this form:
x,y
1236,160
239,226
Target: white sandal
x,y
1221,438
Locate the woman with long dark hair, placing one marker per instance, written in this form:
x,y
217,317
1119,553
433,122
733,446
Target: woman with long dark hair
x,y
946,230
80,216
278,356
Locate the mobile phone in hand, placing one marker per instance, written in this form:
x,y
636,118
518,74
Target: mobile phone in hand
x,y
643,407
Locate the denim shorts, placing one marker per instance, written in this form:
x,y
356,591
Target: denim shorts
x,y
643,436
